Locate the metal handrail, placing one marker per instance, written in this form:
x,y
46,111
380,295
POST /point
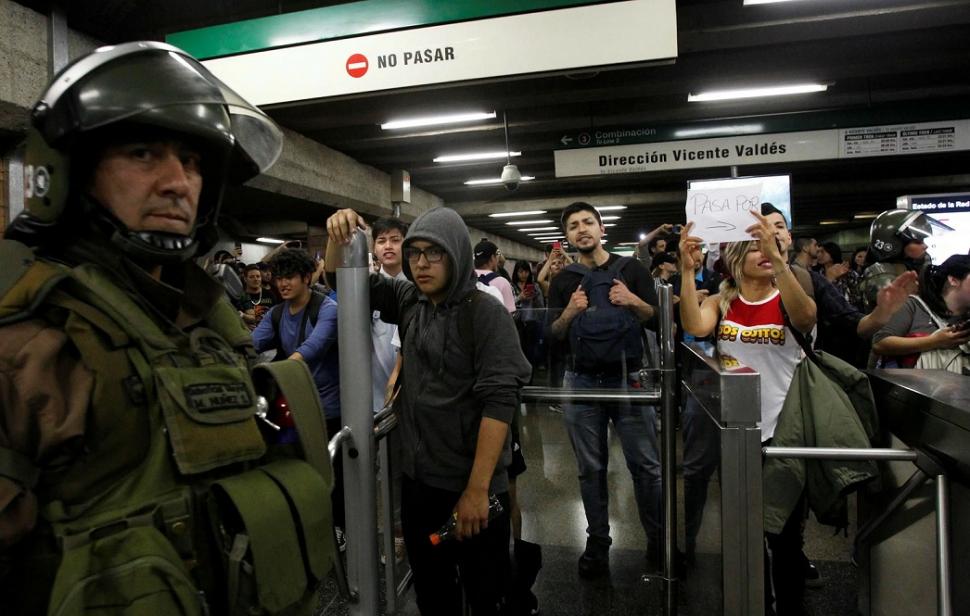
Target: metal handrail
x,y
552,393
944,601
839,453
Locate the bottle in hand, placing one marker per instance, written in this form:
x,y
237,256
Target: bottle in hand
x,y
449,530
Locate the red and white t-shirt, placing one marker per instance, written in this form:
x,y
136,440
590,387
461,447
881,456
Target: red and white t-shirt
x,y
754,333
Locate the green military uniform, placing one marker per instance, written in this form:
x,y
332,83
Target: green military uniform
x,y
135,475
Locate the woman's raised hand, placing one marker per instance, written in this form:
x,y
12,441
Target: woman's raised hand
x,y
690,249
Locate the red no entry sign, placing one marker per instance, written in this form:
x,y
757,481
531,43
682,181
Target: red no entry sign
x,y
357,65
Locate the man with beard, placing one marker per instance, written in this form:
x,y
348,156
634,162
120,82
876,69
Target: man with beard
x,y
256,301
622,292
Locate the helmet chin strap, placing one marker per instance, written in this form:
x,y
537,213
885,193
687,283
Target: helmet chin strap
x,y
149,247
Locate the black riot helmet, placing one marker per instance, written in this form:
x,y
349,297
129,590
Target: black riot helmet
x,y
124,91
893,229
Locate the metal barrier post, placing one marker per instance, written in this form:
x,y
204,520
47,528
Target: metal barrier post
x,y
732,400
944,603
357,411
668,375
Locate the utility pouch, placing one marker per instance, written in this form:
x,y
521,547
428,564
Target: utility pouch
x,y
210,415
123,570
266,517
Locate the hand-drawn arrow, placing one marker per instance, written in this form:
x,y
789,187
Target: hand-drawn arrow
x,y
724,225
566,140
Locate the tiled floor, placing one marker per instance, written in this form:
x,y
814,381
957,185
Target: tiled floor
x,y
553,517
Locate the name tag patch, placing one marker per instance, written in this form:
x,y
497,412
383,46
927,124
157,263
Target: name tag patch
x,y
206,397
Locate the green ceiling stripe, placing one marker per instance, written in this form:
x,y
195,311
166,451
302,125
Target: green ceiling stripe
x,y
346,20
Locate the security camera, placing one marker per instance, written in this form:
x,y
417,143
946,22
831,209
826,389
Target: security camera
x,y
511,177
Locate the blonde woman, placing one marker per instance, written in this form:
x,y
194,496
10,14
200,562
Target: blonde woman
x,y
750,326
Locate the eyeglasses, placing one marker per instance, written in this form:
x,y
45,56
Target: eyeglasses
x,y
433,254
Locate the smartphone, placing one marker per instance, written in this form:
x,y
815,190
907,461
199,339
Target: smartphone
x,y
530,287
557,245
678,228
961,325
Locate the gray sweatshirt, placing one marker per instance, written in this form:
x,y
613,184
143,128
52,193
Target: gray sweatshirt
x,y
447,390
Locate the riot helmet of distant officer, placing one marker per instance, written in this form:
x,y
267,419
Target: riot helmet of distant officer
x,y
137,142
897,236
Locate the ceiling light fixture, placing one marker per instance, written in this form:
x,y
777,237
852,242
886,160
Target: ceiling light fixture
x,y
609,217
865,215
538,221
609,208
525,178
723,95
548,241
609,224
269,240
510,214
539,229
460,158
833,222
751,2
738,129
455,118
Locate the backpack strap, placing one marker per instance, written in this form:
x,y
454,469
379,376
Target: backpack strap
x,y
577,268
310,314
617,266
487,279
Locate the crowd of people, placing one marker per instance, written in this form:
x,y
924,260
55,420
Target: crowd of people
x,y
135,472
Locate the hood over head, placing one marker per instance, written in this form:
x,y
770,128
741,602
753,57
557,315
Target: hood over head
x,y
444,227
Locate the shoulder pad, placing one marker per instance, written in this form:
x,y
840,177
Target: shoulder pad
x,y
17,258
24,280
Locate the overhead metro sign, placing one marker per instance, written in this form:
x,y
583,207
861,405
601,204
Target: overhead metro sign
x,y
634,31
902,139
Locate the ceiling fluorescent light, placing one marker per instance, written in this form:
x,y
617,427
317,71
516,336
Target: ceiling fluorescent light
x,y
609,208
460,158
609,224
832,222
548,241
722,95
539,229
510,214
525,178
269,240
547,236
609,217
865,215
538,221
628,244
751,2
455,118
738,129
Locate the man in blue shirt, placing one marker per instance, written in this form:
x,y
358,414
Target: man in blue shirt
x,y
297,334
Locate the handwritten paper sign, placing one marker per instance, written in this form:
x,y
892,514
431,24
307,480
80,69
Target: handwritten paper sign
x,y
722,214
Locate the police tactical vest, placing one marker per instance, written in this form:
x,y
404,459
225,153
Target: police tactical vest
x,y
175,504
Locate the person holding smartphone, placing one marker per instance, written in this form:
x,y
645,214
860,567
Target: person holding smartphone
x,y
931,330
529,310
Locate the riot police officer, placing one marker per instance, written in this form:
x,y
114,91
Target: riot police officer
x,y
896,243
131,459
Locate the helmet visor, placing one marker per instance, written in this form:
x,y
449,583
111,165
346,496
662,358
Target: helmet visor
x,y
922,226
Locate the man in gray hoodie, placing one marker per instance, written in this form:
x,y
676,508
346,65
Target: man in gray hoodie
x,y
458,396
